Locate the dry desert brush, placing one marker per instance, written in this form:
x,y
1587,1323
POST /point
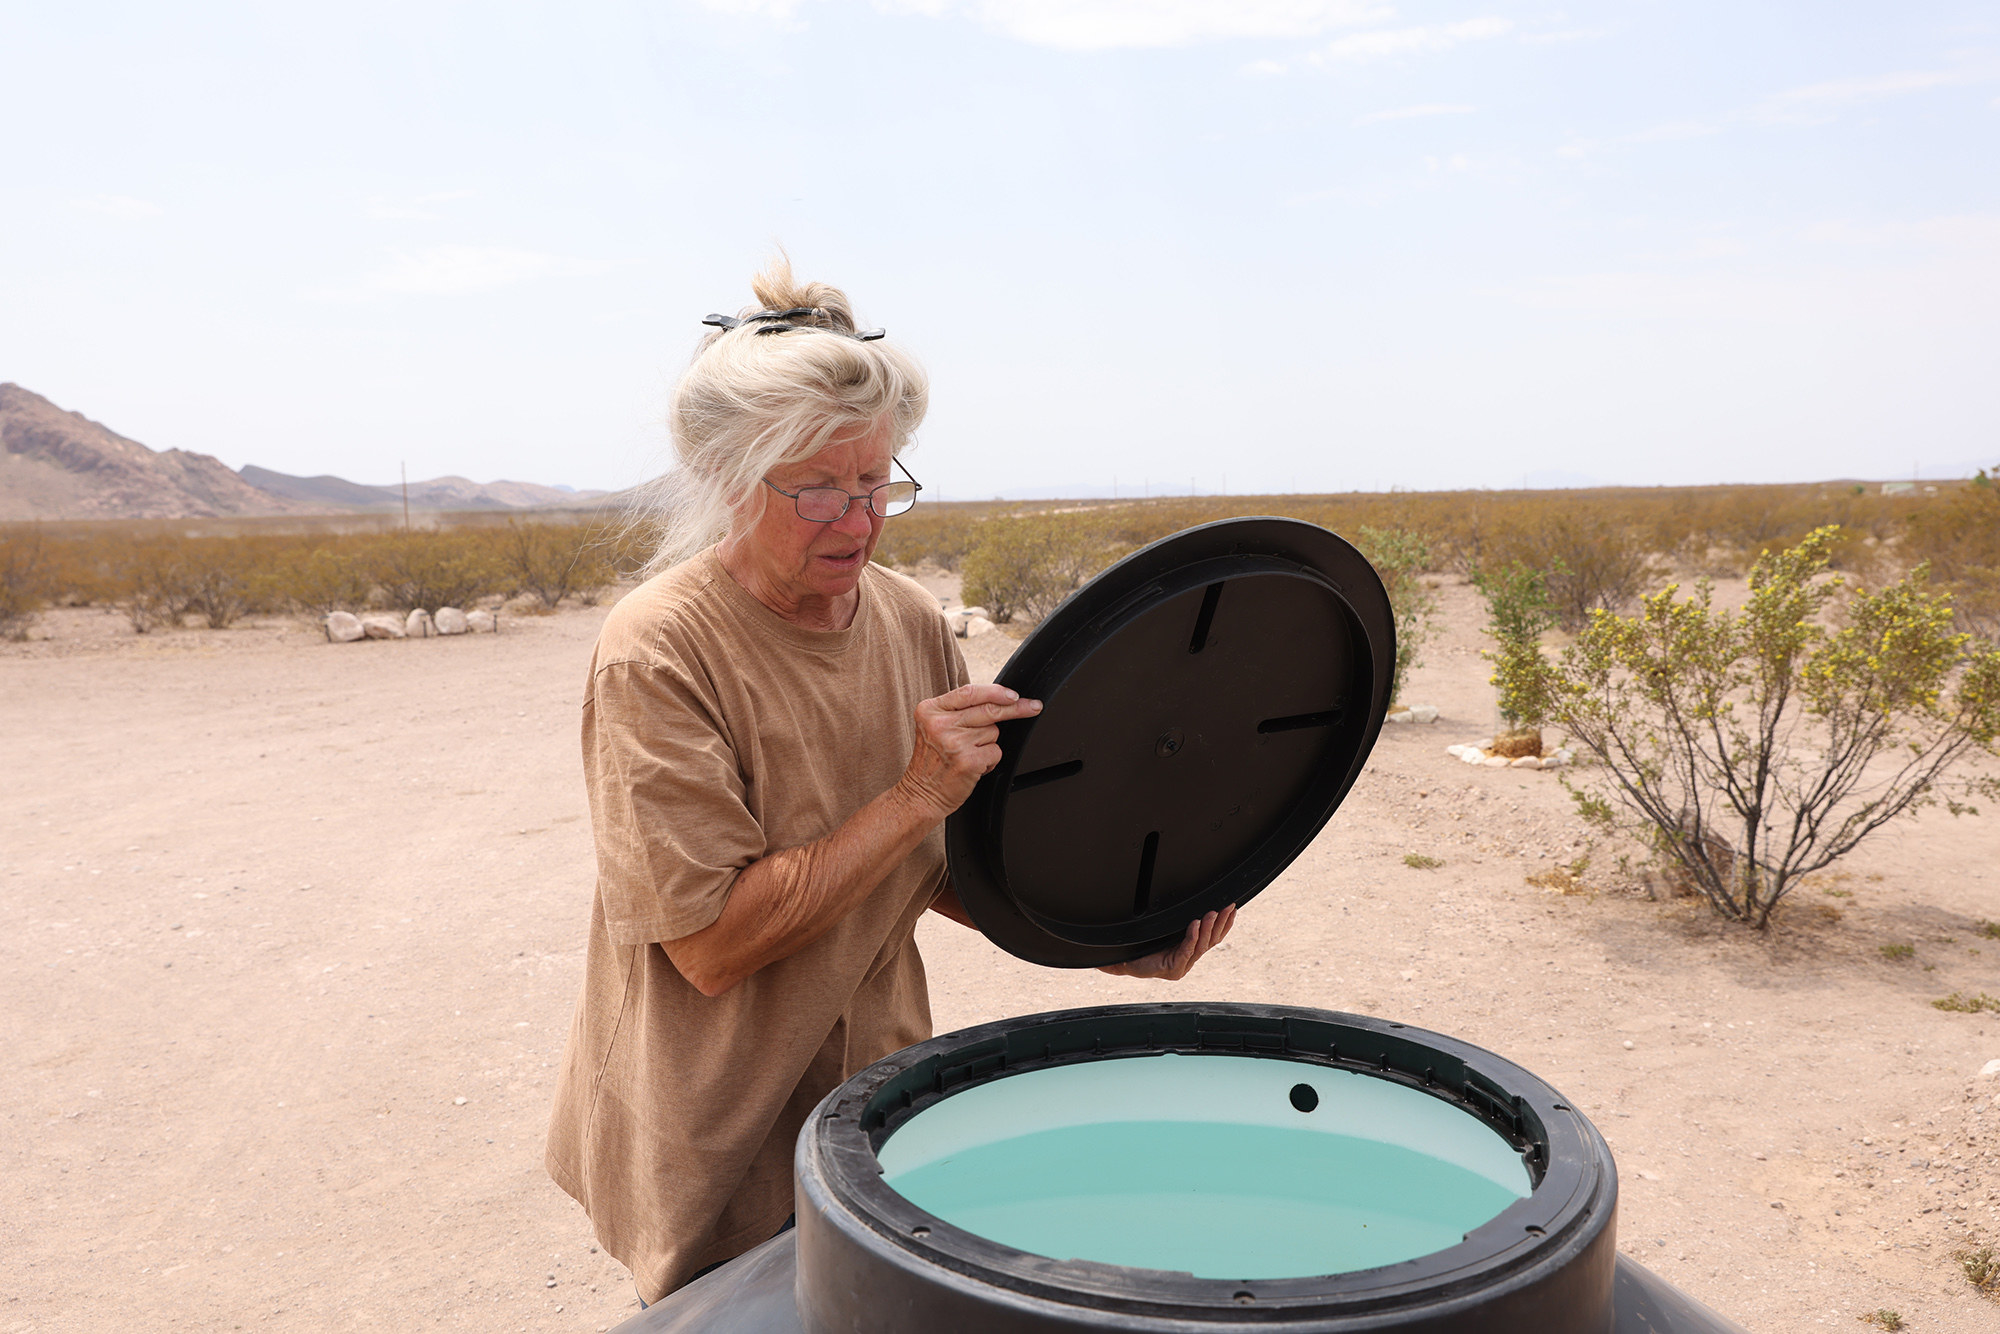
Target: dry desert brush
x,y
1753,748
1401,557
26,579
1022,566
553,561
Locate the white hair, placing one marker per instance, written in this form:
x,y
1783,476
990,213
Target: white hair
x,y
752,401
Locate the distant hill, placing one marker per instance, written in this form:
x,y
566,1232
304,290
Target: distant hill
x,y
321,493
438,493
62,465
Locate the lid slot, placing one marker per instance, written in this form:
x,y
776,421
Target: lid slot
x,y
1299,721
1205,618
1142,896
1047,774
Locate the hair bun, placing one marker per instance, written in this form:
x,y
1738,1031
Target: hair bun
x,y
776,289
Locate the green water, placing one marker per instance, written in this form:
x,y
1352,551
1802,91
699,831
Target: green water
x,y
1203,1164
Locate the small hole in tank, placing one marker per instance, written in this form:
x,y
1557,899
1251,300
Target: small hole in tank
x,y
1561,1108
1534,1231
1305,1097
1245,1298
920,1232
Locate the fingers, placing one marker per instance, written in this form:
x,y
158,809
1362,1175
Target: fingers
x,y
987,704
958,741
1202,935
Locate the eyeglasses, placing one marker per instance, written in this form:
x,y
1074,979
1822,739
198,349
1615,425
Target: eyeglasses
x,y
829,504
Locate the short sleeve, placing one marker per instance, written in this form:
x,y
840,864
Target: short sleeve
x,y
667,802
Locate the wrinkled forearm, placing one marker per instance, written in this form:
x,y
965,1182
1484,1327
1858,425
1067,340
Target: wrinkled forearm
x,y
781,903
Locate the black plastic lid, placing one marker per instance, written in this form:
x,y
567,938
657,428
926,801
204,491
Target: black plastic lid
x,y
1208,701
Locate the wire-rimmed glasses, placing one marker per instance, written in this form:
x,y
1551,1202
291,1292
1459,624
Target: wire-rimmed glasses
x,y
829,504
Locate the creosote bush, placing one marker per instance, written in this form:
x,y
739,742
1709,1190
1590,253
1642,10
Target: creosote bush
x,y
316,578
26,580
1022,566
1754,748
553,562
1588,560
1518,611
432,568
159,577
1959,537
1401,557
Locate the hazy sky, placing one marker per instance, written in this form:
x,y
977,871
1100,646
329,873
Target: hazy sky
x,y
1267,244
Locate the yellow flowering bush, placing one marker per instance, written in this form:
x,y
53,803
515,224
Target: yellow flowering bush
x,y
1754,748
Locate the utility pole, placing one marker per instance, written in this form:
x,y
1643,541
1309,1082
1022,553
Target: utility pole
x,y
406,496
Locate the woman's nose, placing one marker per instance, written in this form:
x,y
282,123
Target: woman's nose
x,y
856,521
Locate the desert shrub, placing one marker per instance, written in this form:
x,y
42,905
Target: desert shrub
x,y
1401,557
432,568
929,533
553,560
1589,560
1958,535
314,578
1517,612
222,578
1757,747
150,580
1023,565
27,579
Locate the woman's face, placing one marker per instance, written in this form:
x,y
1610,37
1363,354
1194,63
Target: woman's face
x,y
802,561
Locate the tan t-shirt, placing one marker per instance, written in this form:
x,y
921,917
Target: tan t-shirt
x,y
714,734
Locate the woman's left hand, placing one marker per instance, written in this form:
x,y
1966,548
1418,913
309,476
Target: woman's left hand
x,y
1172,965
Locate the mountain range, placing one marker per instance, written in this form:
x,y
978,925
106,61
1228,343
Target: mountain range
x,y
62,465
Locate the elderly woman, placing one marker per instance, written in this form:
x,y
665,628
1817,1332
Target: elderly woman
x,y
773,734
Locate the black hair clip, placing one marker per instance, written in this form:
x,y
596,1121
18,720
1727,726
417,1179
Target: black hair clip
x,y
727,322
731,322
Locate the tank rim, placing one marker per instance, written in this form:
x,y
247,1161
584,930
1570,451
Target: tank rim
x,y
1572,1200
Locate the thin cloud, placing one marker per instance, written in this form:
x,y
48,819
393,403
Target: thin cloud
x,y
1817,102
458,270
1565,35
1391,42
1882,85
120,206
1673,131
782,12
1413,113
419,209
1098,25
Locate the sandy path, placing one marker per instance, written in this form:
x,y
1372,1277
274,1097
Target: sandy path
x,y
269,909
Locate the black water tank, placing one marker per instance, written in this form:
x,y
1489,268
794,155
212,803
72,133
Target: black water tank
x,y
867,1260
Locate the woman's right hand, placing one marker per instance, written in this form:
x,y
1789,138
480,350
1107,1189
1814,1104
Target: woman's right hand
x,y
958,740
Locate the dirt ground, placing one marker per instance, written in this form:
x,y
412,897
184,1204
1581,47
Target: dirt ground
x,y
290,933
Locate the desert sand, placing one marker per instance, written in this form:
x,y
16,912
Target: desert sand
x,y
290,933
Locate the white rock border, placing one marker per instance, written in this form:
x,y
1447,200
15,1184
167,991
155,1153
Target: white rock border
x,y
1481,753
